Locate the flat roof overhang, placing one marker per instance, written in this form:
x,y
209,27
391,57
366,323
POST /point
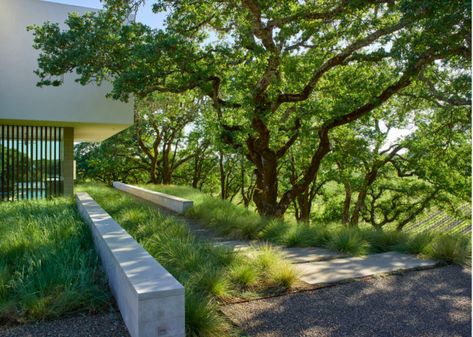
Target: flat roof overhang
x,y
83,132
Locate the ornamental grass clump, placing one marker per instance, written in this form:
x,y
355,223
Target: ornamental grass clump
x,y
383,241
348,241
451,248
308,235
276,231
268,261
416,243
227,219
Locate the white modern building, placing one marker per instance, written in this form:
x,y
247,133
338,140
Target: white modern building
x,y
38,126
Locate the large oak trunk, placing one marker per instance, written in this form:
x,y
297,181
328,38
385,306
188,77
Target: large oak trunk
x,y
304,202
266,192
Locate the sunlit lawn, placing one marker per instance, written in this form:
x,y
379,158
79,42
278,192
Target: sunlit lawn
x,y
48,267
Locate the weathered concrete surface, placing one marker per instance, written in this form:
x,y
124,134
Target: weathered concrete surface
x,y
336,270
176,204
293,254
308,254
150,299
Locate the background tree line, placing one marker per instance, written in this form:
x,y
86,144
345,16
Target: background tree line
x,y
369,175
284,106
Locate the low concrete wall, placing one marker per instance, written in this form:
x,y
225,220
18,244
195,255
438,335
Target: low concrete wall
x,y
171,202
150,299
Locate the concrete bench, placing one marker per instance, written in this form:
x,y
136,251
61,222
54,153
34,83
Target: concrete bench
x,y
176,204
150,299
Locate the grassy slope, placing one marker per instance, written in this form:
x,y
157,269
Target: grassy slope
x,y
47,263
209,274
238,222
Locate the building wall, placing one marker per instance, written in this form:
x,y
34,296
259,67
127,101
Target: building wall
x,y
84,108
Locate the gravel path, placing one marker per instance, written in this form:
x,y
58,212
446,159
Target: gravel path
x,y
433,302
103,325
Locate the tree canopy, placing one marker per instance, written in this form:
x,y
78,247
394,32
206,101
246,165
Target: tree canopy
x,y
285,78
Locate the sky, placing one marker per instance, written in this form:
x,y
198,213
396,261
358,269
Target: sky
x,y
145,14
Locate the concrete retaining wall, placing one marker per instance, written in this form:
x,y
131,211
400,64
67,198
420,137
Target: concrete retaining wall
x,y
171,202
150,299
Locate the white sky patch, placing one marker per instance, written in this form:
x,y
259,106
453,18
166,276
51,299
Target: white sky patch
x,y
395,135
145,13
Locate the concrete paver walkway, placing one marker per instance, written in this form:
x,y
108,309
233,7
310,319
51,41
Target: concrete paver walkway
x,y
294,254
316,266
341,269
303,255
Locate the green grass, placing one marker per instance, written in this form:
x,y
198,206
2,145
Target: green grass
x,y
383,241
222,216
48,267
451,248
211,275
237,222
349,241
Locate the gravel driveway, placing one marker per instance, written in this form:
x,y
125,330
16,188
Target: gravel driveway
x,y
434,302
103,325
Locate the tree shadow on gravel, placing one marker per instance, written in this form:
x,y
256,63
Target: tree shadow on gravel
x,y
433,302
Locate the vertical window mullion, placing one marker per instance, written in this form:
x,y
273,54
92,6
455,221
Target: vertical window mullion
x,y
21,164
36,166
3,163
17,163
12,150
32,187
61,178
41,175
55,162
8,162
50,163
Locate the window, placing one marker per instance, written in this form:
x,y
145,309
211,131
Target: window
x,y
31,162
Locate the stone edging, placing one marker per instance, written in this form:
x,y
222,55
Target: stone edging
x,y
176,204
150,299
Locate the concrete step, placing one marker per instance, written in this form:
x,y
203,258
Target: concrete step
x,y
348,268
293,254
308,254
